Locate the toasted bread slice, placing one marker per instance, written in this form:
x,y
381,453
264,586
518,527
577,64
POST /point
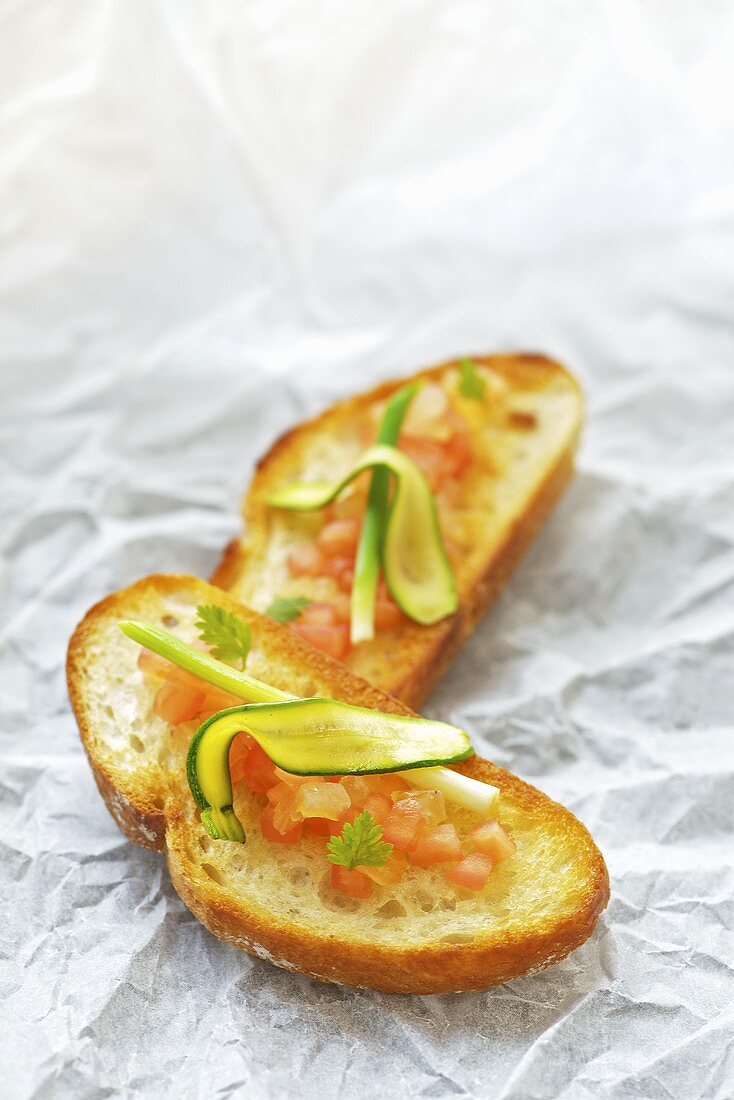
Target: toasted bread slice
x,y
524,438
276,902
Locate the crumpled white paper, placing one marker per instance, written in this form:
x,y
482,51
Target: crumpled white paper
x,y
216,218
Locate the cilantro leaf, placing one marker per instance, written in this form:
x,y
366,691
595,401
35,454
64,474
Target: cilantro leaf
x,y
227,636
471,384
286,609
360,844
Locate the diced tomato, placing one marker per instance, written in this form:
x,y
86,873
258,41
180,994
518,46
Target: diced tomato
x,y
259,770
279,793
472,873
431,803
153,665
342,609
341,568
346,580
319,799
458,454
354,883
321,614
238,753
175,703
391,872
388,782
441,845
491,839
339,536
289,778
387,614
269,831
358,787
379,805
403,825
215,700
428,455
333,640
350,816
318,826
351,502
306,560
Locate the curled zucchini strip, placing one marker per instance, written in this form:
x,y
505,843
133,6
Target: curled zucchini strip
x,y
416,568
312,737
218,815
369,551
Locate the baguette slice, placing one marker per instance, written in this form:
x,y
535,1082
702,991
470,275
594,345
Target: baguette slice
x,y
275,901
524,451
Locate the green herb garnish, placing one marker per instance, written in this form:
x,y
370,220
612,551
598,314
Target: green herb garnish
x,y
227,636
471,384
286,609
360,844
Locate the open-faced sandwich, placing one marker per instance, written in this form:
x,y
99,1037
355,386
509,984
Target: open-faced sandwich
x,y
308,817
449,473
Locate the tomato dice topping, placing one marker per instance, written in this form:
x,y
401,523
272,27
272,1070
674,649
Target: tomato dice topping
x,y
279,793
379,805
341,568
320,799
153,665
354,883
491,839
388,782
259,770
306,560
317,826
458,454
333,640
320,614
431,804
429,456
441,845
350,815
339,536
270,832
387,614
342,607
175,703
403,824
238,754
472,873
391,872
358,787
215,700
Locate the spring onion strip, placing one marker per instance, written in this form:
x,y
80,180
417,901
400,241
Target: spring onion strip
x,y
369,550
460,789
201,664
455,787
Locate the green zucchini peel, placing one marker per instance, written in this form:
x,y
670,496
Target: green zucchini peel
x,y
302,736
416,568
312,737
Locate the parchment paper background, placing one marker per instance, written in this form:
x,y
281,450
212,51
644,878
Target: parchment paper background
x,y
218,217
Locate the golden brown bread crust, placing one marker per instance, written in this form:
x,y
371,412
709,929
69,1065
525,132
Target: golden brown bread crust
x,y
425,651
440,968
154,821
